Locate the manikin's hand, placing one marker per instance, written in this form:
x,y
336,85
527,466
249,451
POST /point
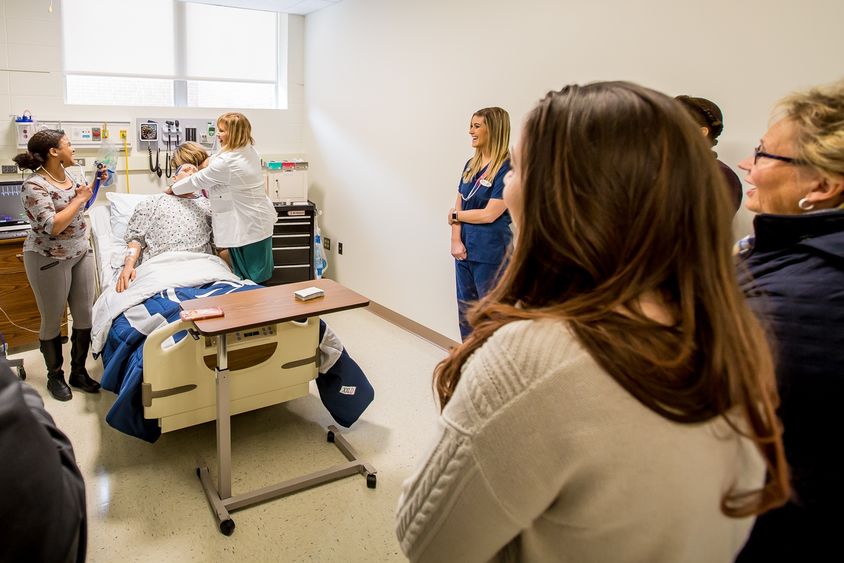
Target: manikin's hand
x,y
126,277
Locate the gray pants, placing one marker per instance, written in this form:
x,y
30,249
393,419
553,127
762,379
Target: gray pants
x,y
57,284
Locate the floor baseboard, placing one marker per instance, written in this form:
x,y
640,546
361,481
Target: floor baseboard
x,y
412,326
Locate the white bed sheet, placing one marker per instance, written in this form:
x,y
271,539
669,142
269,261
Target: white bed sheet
x,y
105,245
108,226
167,270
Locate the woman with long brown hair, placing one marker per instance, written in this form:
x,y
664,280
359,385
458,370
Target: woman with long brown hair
x,y
615,401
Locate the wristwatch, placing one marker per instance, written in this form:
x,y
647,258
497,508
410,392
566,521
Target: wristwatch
x,y
454,217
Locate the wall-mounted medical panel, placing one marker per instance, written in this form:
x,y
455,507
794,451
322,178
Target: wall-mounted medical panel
x,y
167,133
82,134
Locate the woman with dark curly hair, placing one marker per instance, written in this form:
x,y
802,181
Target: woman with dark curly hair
x,y
55,255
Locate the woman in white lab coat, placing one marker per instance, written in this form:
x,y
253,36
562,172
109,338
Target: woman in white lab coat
x,y
242,216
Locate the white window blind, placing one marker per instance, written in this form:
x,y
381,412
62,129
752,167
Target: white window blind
x,y
170,53
239,44
104,36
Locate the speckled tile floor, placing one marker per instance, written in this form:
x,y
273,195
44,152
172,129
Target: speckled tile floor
x,y
146,504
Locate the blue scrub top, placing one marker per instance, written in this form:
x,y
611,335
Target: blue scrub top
x,y
485,243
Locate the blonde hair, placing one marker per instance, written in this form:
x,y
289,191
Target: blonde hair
x,y
238,128
819,116
497,121
189,153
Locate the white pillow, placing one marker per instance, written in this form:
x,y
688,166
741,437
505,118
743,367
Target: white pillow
x,y
121,207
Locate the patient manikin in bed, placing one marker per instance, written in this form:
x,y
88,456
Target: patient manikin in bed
x,y
170,243
162,224
168,222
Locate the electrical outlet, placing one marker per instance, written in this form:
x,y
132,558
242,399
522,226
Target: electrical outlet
x,y
9,169
326,243
123,134
79,161
340,247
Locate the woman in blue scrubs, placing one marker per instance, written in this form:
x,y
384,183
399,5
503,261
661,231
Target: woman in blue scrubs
x,y
480,223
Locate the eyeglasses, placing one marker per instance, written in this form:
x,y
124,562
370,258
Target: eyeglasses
x,y
757,154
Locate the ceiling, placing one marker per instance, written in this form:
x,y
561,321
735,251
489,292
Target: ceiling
x,y
300,7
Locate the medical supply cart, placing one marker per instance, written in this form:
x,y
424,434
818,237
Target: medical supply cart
x,y
293,243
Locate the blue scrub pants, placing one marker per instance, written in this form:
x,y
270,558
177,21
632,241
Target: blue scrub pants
x,y
474,280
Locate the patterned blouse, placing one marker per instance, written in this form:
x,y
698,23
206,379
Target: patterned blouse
x,y
42,200
165,222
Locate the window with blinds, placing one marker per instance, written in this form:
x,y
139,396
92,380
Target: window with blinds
x,y
171,53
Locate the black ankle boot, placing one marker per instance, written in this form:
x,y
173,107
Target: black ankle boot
x,y
80,344
52,352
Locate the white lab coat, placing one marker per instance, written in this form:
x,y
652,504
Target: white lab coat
x,y
241,212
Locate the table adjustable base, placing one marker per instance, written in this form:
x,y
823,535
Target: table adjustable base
x,y
261,307
223,506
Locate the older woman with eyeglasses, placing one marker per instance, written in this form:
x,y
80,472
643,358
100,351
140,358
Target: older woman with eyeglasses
x,y
793,276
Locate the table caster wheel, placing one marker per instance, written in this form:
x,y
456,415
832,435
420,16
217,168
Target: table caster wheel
x,y
227,527
330,436
22,374
371,481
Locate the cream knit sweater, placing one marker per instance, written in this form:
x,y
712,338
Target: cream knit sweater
x,y
544,457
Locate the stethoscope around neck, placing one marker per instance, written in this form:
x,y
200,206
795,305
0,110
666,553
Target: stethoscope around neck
x,y
478,183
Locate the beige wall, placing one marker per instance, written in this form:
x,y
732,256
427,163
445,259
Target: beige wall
x,y
391,86
30,39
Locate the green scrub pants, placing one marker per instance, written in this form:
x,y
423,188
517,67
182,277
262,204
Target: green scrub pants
x,y
253,261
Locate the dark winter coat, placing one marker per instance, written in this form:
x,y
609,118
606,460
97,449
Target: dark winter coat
x,y
793,277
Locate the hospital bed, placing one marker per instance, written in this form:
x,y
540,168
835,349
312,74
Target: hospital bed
x,y
259,358
178,388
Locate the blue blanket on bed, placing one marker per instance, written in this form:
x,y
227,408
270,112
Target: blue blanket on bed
x,y
123,361
343,387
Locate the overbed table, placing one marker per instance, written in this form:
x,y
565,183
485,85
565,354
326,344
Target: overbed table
x,y
256,308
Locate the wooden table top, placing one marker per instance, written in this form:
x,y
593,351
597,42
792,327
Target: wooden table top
x,y
269,305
